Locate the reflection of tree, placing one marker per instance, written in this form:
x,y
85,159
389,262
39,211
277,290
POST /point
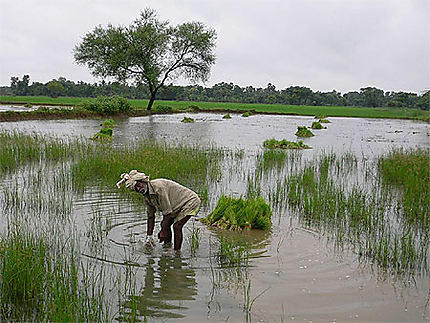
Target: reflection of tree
x,y
170,280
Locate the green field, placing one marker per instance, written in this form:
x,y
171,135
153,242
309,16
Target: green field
x,y
330,111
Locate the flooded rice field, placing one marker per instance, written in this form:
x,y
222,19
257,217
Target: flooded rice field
x,y
301,270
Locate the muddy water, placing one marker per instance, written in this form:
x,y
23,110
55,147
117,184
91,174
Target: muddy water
x,y
294,274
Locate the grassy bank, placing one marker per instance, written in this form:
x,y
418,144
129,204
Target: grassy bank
x,y
177,106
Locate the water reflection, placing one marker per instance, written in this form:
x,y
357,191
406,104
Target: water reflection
x,y
167,283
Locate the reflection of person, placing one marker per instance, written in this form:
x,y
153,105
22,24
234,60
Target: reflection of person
x,y
177,203
166,281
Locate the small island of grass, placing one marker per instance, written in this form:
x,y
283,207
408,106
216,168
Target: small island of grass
x,y
317,125
284,144
247,114
187,120
303,131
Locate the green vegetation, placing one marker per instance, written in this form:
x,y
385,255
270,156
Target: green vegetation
x,y
149,51
317,125
303,131
108,105
105,134
410,170
109,123
284,144
163,109
233,254
180,106
240,214
187,120
247,114
39,281
324,121
364,217
227,116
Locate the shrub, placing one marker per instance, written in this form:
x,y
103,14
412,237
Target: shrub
x,y
284,144
304,132
187,120
317,125
108,105
240,214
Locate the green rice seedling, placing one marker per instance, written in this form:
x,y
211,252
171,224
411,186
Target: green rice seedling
x,y
109,123
187,120
284,144
247,114
317,125
232,253
410,170
227,116
303,131
105,134
240,214
322,116
194,240
324,121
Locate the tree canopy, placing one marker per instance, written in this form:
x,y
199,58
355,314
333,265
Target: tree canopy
x,y
149,52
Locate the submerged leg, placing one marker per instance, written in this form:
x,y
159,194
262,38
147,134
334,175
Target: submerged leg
x,y
177,229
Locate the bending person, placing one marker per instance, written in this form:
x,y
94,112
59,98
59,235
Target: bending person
x,y
177,204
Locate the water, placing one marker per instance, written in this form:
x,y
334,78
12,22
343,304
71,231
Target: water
x,y
298,273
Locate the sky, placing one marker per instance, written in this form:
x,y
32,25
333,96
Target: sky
x,y
321,44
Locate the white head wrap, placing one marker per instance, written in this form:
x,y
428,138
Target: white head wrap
x,y
131,178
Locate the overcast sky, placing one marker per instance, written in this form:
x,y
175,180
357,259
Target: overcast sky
x,y
321,44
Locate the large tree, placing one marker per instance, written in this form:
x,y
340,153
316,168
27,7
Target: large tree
x,y
149,52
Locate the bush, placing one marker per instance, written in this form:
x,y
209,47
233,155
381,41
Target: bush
x,y
240,214
108,105
284,144
304,132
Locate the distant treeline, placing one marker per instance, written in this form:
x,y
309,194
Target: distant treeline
x,y
221,92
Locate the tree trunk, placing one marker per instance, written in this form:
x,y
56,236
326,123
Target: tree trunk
x,y
151,102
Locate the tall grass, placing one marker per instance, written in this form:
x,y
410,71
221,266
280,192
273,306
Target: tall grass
x,y
364,216
40,281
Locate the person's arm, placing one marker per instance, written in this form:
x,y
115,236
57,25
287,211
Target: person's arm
x,y
151,220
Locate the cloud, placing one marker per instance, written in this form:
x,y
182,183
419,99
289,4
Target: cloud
x,y
325,45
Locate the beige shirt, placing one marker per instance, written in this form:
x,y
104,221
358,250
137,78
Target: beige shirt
x,y
167,197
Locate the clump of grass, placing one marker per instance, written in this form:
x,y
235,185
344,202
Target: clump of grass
x,y
247,114
108,105
194,240
105,134
324,121
303,131
284,144
109,123
187,120
317,125
227,116
410,170
240,214
28,105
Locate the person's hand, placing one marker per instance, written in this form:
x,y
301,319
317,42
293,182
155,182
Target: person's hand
x,y
149,242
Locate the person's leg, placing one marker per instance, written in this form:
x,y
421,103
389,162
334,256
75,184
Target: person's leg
x,y
165,234
177,229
